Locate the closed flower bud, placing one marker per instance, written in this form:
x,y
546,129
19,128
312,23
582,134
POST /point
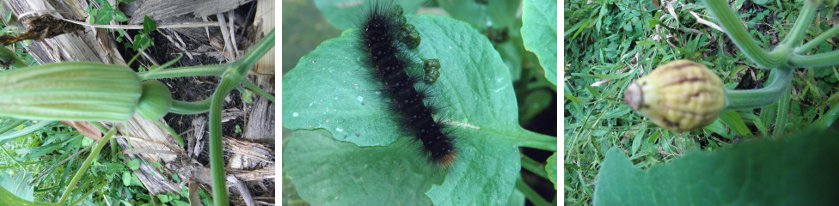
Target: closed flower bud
x,y
155,101
74,91
681,95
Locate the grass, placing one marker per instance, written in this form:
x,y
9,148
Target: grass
x,y
53,154
609,43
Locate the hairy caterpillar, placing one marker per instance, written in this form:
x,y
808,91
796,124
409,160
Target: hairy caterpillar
x,y
386,38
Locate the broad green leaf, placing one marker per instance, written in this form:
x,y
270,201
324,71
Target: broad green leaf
x,y
19,184
539,33
512,56
331,89
345,14
798,170
550,168
496,14
9,198
329,172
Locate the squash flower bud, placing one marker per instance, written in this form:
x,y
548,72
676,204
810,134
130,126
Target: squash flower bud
x,y
679,96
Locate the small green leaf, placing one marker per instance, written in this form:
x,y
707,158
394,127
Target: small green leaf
x,y
798,170
104,15
134,164
176,178
164,198
539,33
141,41
120,17
126,178
148,25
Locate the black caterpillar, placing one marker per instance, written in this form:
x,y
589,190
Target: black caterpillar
x,y
386,36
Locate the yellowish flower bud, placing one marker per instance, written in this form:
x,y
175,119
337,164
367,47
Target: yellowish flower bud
x,y
681,95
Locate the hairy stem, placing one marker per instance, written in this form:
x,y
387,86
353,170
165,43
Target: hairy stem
x,y
823,37
216,149
537,141
732,26
203,106
781,116
184,107
229,80
817,60
753,98
796,35
259,91
191,71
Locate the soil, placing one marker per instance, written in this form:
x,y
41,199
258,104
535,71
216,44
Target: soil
x,y
200,88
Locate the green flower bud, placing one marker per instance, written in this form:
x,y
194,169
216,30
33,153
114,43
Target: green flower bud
x,y
155,101
73,91
681,95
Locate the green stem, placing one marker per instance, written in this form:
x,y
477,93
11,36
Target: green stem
x,y
24,131
226,85
537,141
139,52
531,194
817,60
93,154
184,107
259,91
82,198
203,106
796,34
533,166
819,39
191,71
753,98
229,80
781,118
732,26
